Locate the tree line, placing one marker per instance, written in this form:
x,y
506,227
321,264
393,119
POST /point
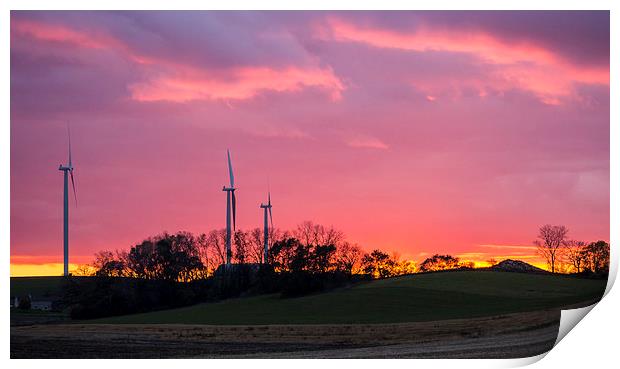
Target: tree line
x,y
315,248
310,247
564,255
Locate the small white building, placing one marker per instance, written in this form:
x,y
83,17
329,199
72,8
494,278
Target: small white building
x,y
41,305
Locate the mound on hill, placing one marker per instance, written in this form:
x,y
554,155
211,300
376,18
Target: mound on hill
x,y
518,266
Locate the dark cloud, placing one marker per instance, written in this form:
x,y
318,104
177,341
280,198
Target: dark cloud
x,y
580,36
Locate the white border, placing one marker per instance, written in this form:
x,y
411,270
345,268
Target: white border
x,y
592,344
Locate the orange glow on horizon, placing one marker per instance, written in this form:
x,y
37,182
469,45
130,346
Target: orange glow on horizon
x,y
28,267
40,270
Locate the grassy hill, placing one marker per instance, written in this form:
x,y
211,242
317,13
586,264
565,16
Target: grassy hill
x,y
422,297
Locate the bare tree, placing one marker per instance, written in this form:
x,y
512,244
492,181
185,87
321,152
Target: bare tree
x,y
348,257
306,233
256,247
331,236
550,241
102,258
216,244
574,251
202,243
309,233
242,246
85,270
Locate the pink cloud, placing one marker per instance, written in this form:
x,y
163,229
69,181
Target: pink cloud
x,y
59,33
170,80
367,142
522,64
240,84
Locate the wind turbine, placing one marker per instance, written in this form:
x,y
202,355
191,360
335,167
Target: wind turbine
x,y
67,171
266,225
231,202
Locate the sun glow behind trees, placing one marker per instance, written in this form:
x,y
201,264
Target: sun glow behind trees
x,y
314,241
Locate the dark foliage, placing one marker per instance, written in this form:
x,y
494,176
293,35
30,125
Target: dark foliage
x,y
24,302
96,297
596,255
171,257
439,262
378,264
300,283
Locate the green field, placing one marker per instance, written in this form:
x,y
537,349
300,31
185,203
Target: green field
x,y
422,297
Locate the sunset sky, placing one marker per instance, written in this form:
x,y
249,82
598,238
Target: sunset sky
x,y
413,132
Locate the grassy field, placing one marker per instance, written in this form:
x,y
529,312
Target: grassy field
x,y
417,298
462,314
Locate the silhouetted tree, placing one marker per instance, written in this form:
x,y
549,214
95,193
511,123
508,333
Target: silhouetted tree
x,y
282,253
309,233
242,246
205,255
84,270
112,268
24,302
256,245
348,257
165,257
575,254
439,262
405,267
550,241
322,258
301,260
109,264
597,257
216,244
378,264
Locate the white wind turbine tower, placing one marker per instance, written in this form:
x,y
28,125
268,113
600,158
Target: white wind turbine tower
x,y
231,202
266,225
67,170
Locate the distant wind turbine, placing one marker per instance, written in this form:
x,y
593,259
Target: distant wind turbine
x,y
266,225
230,202
68,170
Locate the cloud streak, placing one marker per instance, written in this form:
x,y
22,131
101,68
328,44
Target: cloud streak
x,y
521,64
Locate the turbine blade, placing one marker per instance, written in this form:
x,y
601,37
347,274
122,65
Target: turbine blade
x,y
230,171
270,217
73,185
234,211
69,135
269,198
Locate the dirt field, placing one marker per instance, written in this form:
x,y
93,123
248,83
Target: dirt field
x,y
503,336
